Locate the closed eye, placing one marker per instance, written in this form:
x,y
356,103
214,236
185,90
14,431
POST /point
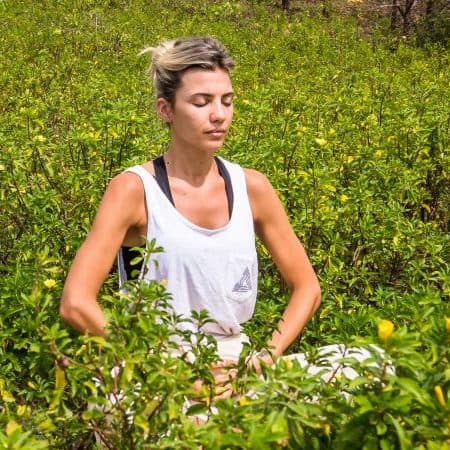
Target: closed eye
x,y
202,99
227,100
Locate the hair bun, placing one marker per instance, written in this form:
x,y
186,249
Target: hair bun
x,y
160,57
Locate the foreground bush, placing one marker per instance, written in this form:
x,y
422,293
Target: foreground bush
x,y
132,392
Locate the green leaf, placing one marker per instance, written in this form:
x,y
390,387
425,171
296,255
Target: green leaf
x,y
92,414
197,408
402,439
385,444
142,423
414,389
381,428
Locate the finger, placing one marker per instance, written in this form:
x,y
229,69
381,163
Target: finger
x,y
229,373
225,377
227,394
223,363
255,364
218,371
221,379
223,392
198,384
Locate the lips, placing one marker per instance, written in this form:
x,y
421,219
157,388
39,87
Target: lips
x,y
218,133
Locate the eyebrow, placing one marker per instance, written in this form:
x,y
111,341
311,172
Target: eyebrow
x,y
208,95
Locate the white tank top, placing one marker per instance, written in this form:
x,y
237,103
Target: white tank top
x,y
215,270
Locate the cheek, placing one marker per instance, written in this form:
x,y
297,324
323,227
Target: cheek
x,y
230,112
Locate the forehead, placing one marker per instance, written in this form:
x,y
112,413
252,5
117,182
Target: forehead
x,y
205,81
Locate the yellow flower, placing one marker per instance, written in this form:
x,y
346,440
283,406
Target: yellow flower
x,y
287,362
350,159
60,379
385,329
11,427
439,395
447,324
7,396
396,239
49,283
321,141
244,401
343,198
379,153
23,410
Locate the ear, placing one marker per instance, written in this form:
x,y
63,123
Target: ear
x,y
164,110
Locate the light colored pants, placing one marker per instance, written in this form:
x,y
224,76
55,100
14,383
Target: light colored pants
x,y
328,363
230,347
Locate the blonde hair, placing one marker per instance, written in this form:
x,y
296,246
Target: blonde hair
x,y
171,59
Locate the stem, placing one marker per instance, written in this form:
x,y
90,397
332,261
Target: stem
x,y
103,439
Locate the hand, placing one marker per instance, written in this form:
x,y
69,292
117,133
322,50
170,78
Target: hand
x,y
223,372
262,358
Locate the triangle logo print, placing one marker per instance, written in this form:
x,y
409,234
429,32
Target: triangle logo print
x,y
244,284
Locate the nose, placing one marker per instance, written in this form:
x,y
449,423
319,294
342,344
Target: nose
x,y
217,112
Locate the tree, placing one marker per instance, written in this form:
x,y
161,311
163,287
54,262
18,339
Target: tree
x,y
405,10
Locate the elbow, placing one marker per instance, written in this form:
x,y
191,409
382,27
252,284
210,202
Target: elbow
x,y
315,294
310,294
67,309
64,310
317,299
84,315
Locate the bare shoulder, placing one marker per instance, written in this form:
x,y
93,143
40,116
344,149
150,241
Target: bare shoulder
x,y
127,185
257,183
263,199
124,199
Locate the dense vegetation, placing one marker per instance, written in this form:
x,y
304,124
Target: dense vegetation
x,y
353,131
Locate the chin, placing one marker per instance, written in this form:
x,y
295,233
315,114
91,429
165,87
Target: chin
x,y
218,147
214,146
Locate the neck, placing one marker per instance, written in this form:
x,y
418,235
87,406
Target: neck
x,y
189,164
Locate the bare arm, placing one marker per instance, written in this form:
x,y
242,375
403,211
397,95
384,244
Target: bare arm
x,y
118,212
273,227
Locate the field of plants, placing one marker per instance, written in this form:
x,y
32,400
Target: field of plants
x,y
353,130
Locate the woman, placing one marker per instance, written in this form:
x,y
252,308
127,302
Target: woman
x,y
201,209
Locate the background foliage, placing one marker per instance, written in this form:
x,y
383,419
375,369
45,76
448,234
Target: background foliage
x,y
353,131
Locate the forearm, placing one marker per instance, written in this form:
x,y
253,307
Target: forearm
x,y
86,317
301,307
